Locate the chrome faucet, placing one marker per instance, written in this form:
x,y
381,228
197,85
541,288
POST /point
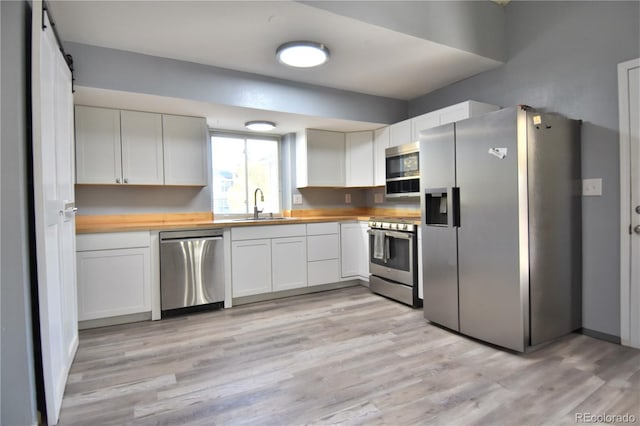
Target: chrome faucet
x,y
256,212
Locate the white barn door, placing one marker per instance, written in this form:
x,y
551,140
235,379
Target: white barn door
x,y
629,110
52,102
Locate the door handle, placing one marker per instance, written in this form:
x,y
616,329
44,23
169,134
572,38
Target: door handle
x,y
638,209
636,229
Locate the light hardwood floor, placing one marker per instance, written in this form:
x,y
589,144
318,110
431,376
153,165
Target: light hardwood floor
x,y
338,357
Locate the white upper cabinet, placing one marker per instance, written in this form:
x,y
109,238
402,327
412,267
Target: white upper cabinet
x,y
400,133
98,148
320,158
185,150
380,143
142,157
359,158
449,114
139,148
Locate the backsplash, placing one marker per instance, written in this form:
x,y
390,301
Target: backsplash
x,y
122,199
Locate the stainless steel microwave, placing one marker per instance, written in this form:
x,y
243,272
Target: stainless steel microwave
x,y
403,170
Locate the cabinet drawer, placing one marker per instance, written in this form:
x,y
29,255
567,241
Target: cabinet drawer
x,y
268,231
112,240
323,247
323,272
323,228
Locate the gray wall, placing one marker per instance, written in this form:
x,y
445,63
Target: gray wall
x,y
563,57
17,371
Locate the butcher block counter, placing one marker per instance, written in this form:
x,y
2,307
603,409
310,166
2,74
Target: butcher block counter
x,y
206,220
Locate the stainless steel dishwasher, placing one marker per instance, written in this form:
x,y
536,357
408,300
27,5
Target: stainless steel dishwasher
x,y
191,270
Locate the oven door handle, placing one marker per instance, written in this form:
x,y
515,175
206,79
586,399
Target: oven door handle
x,y
400,235
392,234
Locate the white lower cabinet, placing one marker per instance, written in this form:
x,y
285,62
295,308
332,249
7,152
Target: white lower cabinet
x,y
266,259
114,274
289,263
251,267
354,250
323,253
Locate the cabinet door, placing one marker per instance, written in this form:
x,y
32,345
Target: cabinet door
x,y
250,267
359,159
325,158
142,154
400,133
349,249
113,282
380,143
289,263
185,150
423,122
363,261
98,149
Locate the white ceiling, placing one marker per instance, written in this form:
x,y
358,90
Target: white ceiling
x,y
243,35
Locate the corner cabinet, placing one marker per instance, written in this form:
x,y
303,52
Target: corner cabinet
x,y
116,147
354,250
114,274
320,158
380,143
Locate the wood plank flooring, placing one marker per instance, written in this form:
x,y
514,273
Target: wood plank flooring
x,y
339,357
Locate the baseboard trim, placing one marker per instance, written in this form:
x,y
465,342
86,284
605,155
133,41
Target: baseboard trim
x,y
121,319
600,335
294,292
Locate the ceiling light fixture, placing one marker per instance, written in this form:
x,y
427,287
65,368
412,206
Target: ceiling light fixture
x,y
260,125
302,54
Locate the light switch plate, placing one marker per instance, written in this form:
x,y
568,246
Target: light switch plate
x,y
347,198
297,199
592,187
377,198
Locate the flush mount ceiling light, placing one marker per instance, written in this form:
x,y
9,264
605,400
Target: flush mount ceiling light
x,y
260,125
303,54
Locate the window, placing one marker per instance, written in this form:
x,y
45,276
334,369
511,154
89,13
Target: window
x,y
241,164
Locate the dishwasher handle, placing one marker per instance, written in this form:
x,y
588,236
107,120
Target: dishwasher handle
x,y
180,239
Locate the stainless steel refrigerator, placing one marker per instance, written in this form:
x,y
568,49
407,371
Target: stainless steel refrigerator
x,y
501,226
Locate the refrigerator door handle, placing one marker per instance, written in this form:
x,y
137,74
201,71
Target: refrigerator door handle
x,y
455,208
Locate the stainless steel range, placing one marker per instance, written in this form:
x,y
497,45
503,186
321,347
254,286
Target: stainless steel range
x,y
393,260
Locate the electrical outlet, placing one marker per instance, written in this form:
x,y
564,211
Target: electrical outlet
x,y
297,199
592,187
347,198
377,198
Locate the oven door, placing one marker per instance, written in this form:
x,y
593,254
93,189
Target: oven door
x,y
397,262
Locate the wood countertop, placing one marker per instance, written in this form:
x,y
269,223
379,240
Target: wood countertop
x,y
206,220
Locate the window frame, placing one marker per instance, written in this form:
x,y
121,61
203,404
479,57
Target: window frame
x,y
245,136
